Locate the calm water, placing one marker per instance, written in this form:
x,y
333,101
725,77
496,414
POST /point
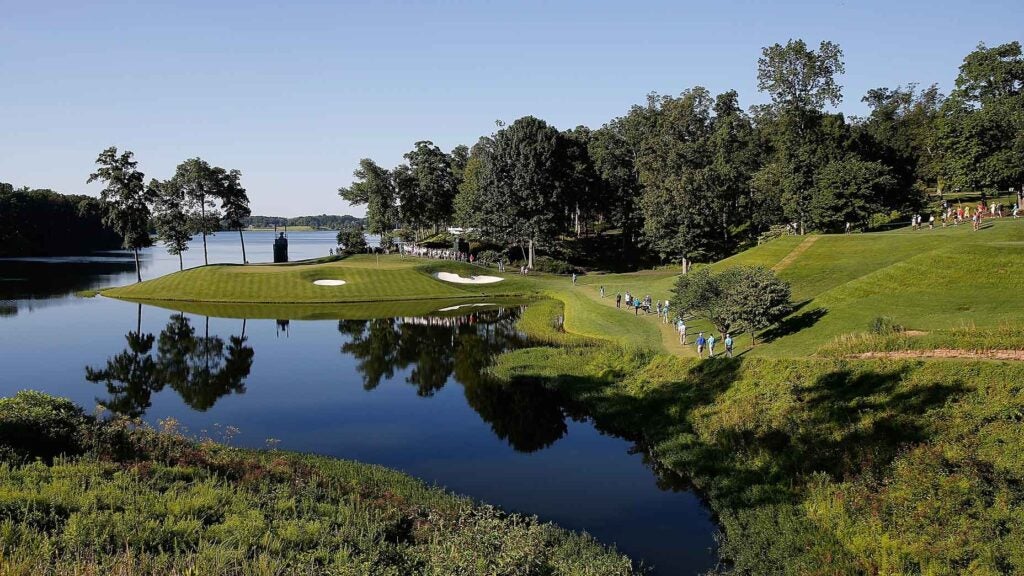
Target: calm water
x,y
402,392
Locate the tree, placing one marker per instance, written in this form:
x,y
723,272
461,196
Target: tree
x,y
800,82
849,191
200,184
750,298
521,199
352,240
428,200
234,203
173,223
901,133
375,189
801,79
756,299
466,205
981,128
126,199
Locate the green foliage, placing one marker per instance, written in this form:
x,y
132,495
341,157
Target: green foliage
x,y
45,223
885,325
801,79
35,425
352,240
148,502
522,196
126,200
375,189
849,191
748,298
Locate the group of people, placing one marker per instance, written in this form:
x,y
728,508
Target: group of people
x,y
435,253
954,216
646,304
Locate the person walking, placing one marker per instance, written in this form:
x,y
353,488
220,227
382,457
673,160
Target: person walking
x,y
664,313
602,291
728,344
701,341
573,278
618,300
681,328
636,307
931,221
711,345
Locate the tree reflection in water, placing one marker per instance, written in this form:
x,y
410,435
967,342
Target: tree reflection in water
x,y
527,415
201,369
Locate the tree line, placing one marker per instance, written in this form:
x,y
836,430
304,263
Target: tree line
x,y
321,222
695,176
41,222
197,199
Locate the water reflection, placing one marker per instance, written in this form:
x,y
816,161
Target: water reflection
x,y
200,368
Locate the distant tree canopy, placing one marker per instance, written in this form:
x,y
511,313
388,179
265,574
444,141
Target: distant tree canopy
x,y
321,222
695,176
46,223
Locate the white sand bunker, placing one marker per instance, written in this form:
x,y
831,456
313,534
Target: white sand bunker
x,y
329,282
456,279
450,308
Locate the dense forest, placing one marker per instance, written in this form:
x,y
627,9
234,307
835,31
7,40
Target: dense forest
x,y
695,176
45,223
321,222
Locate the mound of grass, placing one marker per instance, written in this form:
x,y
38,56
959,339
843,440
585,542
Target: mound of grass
x,y
146,502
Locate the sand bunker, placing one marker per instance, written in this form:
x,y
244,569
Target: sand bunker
x,y
329,282
456,279
450,308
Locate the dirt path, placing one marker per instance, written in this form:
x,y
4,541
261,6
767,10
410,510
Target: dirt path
x,y
800,249
1017,355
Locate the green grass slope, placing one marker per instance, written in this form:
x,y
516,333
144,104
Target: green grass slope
x,y
86,496
924,280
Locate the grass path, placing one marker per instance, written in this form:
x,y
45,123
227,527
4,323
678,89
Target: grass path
x,y
792,256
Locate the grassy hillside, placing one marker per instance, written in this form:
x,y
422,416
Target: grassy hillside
x,y
129,500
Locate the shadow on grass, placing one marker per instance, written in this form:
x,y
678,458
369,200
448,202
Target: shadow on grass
x,y
794,323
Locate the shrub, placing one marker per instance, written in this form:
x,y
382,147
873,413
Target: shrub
x,y
885,325
552,266
488,256
36,425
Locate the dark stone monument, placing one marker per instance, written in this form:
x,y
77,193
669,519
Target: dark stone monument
x,y
280,249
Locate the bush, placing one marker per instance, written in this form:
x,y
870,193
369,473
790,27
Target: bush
x,y
489,257
36,425
552,266
777,231
885,325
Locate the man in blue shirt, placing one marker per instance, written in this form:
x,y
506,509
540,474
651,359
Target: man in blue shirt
x,y
700,345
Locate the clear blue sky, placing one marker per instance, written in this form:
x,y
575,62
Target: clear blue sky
x,y
294,93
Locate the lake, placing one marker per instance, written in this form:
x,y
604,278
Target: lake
x,y
407,393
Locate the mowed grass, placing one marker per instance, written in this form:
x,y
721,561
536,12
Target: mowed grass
x,y
367,279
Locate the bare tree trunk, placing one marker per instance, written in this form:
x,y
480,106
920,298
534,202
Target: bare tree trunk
x,y
242,238
181,263
202,222
243,328
138,320
532,250
138,270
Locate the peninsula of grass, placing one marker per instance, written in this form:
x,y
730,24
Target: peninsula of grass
x,y
367,279
80,495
